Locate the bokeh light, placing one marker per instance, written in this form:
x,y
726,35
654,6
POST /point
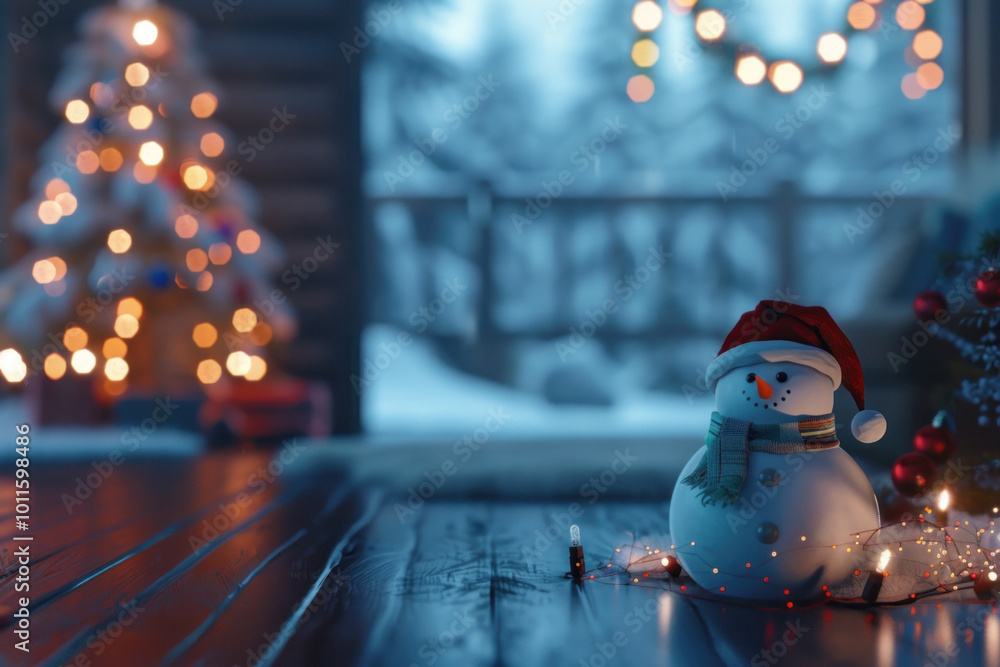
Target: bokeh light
x,y
136,74
927,44
43,271
209,371
220,253
640,88
786,76
910,15
151,153
261,334
49,212
861,15
212,144
203,105
126,325
111,159
130,306
196,260
911,87
12,366
87,162
140,117
244,320
645,53
196,177
77,111
647,15
115,369
67,203
83,361
238,363
119,241
258,367
930,76
204,335
248,241
831,47
114,347
145,32
56,187
204,281
710,25
55,366
186,226
75,338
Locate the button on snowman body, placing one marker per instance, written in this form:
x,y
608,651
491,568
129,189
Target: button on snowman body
x,y
800,493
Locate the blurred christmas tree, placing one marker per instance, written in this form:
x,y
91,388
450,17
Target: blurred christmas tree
x,y
148,270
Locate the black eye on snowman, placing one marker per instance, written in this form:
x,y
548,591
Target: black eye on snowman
x,y
782,376
751,377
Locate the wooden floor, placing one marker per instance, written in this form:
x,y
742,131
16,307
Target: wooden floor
x,y
312,569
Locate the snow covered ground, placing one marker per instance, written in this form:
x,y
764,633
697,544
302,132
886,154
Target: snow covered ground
x,y
419,395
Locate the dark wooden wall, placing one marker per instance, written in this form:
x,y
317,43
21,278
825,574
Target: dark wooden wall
x,y
264,54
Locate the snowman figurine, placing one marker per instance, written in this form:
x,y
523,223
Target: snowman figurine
x,y
769,508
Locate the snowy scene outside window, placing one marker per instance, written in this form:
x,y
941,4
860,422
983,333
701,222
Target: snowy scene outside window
x,y
540,242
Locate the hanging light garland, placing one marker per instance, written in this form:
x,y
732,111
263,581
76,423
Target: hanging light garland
x,y
751,67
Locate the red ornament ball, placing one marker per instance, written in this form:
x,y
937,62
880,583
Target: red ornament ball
x,y
988,288
935,442
928,304
913,474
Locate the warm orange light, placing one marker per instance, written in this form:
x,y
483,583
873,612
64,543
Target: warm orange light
x,y
75,339
209,371
710,25
831,47
751,70
786,76
248,241
67,203
119,241
219,253
861,15
83,361
145,32
140,117
186,226
151,153
196,177
77,111
238,363
126,326
261,334
204,335
130,306
197,260
203,105
640,88
204,281
930,76
212,144
244,320
43,271
116,369
55,366
60,267
910,15
911,87
114,347
136,74
87,162
49,212
927,44
258,367
12,366
143,173
111,159
647,15
56,187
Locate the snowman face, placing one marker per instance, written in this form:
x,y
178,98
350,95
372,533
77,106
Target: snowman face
x,y
773,393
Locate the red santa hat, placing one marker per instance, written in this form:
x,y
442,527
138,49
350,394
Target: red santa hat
x,y
777,331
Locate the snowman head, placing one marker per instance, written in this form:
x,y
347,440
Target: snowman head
x,y
782,362
772,393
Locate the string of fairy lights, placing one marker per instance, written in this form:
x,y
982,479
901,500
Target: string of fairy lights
x,y
147,164
751,67
905,561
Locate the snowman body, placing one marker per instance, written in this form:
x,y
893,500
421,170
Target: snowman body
x,y
779,534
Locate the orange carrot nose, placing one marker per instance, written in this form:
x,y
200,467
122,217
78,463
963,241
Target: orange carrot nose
x,y
763,388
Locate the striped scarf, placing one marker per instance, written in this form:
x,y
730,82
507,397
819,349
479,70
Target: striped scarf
x,y
723,470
